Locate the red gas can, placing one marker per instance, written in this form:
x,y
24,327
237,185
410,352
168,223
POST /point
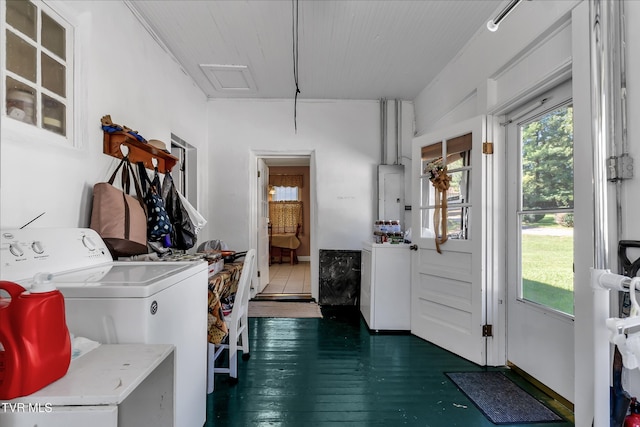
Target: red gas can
x,y
35,347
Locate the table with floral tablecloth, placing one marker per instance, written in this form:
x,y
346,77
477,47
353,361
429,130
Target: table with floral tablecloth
x,y
222,291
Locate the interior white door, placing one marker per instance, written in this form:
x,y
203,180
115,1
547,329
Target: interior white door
x,y
449,289
263,226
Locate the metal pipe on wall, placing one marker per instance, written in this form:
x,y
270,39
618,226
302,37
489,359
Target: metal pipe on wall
x,y
383,131
601,124
603,18
398,132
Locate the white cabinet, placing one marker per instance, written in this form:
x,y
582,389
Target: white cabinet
x,y
115,385
385,287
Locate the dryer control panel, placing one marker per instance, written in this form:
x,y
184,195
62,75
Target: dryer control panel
x,y
29,251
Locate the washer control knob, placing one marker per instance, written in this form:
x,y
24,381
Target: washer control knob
x,y
88,243
37,247
15,249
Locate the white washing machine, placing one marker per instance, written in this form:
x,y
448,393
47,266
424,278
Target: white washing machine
x,y
121,302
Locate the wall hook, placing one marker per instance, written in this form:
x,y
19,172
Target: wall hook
x,y
121,145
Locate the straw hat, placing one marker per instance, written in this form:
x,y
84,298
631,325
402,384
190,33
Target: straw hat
x,y
158,144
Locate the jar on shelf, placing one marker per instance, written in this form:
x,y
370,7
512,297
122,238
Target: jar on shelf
x,y
20,105
377,227
53,115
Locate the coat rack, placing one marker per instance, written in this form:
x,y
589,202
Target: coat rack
x,y
138,152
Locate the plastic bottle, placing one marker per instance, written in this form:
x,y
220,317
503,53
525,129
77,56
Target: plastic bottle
x,y
377,228
35,347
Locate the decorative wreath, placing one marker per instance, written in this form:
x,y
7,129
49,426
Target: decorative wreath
x,y
441,181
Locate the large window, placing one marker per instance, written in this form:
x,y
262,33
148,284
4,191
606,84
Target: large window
x,y
37,71
285,207
545,211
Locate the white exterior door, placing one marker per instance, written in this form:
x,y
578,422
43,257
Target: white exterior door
x,y
263,226
449,289
540,261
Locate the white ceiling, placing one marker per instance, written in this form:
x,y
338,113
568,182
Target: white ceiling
x,y
347,49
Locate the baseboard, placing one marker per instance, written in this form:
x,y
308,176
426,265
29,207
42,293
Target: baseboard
x,y
284,297
300,259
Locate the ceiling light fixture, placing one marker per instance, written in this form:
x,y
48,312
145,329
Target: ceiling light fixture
x,y
492,25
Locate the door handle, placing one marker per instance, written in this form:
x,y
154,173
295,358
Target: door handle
x,y
413,247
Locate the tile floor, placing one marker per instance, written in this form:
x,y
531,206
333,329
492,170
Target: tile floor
x,y
289,279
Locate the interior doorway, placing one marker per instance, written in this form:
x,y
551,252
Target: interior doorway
x,y
284,208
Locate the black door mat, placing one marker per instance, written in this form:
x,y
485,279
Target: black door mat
x,y
501,400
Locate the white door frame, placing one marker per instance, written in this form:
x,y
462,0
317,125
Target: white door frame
x,y
313,220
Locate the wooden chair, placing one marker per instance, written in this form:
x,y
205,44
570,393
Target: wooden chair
x,y
291,253
237,322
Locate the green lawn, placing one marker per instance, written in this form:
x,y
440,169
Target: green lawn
x,y
547,270
547,222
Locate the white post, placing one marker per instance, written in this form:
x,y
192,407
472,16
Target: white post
x,y
601,350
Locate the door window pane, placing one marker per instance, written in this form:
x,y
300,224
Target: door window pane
x,y
546,212
459,187
458,164
431,154
458,222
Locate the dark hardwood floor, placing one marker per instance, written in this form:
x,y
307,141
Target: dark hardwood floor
x,y
334,372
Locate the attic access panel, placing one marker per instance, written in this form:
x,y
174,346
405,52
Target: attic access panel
x,y
230,78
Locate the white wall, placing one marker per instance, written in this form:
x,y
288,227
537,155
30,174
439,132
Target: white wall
x,y
127,75
345,139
